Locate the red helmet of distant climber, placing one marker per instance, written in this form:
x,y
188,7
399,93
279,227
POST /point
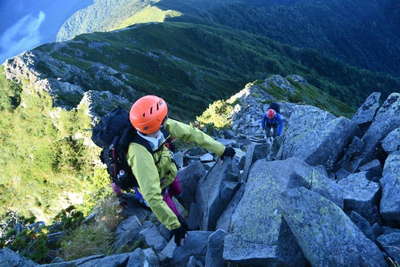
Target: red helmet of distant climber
x,y
148,114
271,113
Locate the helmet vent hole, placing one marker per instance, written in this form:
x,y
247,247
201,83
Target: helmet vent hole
x,y
157,106
151,110
144,115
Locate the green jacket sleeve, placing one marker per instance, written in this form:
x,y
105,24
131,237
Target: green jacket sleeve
x,y
145,171
193,135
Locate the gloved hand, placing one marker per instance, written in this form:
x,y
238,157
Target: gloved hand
x,y
229,152
179,234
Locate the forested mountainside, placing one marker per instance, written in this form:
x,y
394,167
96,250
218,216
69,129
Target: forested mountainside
x,y
361,33
205,62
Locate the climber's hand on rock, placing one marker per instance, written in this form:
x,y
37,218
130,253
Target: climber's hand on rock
x,y
229,152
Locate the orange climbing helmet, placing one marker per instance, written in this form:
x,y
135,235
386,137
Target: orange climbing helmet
x,y
271,113
148,114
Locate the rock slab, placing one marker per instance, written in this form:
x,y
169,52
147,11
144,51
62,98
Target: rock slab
x,y
215,249
360,195
325,233
316,136
11,258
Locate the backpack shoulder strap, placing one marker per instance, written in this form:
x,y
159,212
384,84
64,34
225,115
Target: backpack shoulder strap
x,y
135,138
129,135
141,141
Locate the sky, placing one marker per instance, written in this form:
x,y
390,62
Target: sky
x,y
26,24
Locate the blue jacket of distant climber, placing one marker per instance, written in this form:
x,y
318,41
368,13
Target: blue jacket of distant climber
x,y
276,123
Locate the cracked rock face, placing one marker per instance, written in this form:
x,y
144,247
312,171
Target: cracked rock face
x,y
325,233
386,120
391,244
263,237
390,202
367,111
316,135
391,142
360,195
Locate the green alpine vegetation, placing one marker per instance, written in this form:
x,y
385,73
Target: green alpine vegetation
x,y
101,15
45,164
148,14
192,65
361,33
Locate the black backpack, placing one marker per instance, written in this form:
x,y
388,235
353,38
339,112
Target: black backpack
x,y
113,134
275,106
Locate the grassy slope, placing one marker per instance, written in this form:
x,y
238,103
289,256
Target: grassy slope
x,y
147,14
41,164
362,33
192,65
101,15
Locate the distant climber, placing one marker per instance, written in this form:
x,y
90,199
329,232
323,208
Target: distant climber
x,y
273,120
151,161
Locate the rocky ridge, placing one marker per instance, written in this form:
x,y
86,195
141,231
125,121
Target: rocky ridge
x,y
330,197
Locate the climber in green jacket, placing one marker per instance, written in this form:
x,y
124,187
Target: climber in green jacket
x,y
156,172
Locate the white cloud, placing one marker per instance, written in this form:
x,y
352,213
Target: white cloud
x,y
22,36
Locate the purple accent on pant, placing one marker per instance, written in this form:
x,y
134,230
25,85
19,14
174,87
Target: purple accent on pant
x,y
174,189
117,190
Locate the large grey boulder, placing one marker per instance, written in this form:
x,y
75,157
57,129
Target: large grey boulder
x,y
248,162
392,164
141,258
215,249
224,221
367,111
317,180
11,258
137,258
96,260
102,102
151,257
195,244
373,169
386,120
360,195
215,191
127,232
133,208
258,235
195,216
112,261
391,142
390,202
391,244
194,262
167,253
153,238
316,136
388,230
341,174
351,154
189,178
325,233
363,225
